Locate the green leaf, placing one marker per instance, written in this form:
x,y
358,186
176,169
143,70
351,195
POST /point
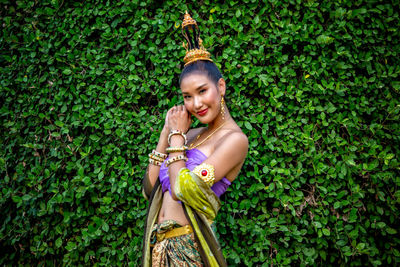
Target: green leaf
x,y
326,231
337,205
105,227
324,39
238,13
16,199
309,252
248,125
71,246
26,197
94,137
67,71
351,162
389,156
58,242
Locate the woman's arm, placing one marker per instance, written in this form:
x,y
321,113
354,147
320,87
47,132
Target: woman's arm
x,y
152,171
162,145
231,152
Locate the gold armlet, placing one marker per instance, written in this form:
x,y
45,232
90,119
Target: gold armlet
x,y
206,172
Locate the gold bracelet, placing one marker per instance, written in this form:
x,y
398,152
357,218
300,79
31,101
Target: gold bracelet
x,y
155,162
176,149
157,158
172,160
159,154
173,132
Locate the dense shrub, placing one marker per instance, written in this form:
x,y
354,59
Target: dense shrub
x,y
314,84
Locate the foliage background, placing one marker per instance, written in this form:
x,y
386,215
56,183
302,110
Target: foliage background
x,y
85,87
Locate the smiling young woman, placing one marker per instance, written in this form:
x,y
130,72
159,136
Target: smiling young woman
x,y
191,168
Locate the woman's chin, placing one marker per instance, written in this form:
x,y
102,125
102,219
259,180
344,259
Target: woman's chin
x,y
204,119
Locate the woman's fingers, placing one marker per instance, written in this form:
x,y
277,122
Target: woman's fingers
x,y
176,109
179,118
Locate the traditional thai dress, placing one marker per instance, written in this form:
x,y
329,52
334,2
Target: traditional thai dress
x,y
200,203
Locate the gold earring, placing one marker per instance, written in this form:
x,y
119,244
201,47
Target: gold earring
x,y
222,107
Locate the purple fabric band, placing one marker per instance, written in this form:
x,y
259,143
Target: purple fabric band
x,y
195,157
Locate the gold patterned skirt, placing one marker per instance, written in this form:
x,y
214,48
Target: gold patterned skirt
x,y
180,250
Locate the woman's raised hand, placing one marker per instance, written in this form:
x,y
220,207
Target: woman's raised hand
x,y
178,118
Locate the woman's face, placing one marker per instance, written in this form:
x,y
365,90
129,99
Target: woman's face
x,y
201,97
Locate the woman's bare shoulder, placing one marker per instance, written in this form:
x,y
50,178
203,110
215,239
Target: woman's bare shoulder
x,y
234,136
234,130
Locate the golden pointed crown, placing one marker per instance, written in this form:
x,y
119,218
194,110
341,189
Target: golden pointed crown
x,y
194,45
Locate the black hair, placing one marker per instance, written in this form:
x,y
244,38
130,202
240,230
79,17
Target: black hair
x,y
202,66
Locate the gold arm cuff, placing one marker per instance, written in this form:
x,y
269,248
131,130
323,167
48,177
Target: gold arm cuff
x,y
206,172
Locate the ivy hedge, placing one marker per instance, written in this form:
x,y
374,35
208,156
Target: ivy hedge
x,y
315,85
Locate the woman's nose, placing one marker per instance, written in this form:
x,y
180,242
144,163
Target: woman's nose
x,y
197,103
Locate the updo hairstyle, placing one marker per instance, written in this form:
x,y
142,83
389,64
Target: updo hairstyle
x,y
205,67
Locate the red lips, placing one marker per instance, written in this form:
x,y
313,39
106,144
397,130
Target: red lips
x,y
202,112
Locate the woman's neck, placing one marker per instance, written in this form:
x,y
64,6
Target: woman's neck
x,y
218,121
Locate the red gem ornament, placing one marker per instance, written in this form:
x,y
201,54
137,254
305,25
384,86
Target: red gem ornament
x,y
204,172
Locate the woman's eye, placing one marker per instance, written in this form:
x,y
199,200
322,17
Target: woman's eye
x,y
202,90
186,96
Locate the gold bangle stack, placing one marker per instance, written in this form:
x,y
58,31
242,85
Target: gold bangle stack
x,y
157,158
159,154
171,149
173,159
176,149
155,162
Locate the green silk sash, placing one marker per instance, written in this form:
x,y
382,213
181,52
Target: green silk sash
x,y
194,192
197,196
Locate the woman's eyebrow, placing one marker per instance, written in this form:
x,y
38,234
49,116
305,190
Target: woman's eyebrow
x,y
185,93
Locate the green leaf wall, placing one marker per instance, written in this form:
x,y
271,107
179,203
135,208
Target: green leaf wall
x,y
84,90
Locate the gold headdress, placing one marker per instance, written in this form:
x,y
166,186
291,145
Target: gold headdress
x,y
194,46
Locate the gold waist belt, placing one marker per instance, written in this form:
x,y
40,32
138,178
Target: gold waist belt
x,y
187,229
